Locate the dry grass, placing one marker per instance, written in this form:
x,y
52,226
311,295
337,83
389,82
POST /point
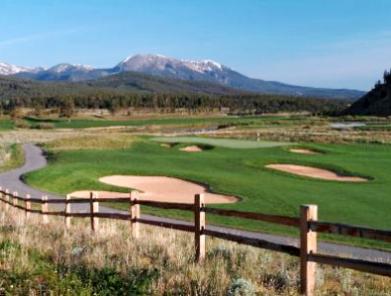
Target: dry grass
x,y
166,257
103,141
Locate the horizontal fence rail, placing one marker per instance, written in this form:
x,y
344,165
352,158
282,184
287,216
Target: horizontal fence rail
x,y
356,231
307,223
283,220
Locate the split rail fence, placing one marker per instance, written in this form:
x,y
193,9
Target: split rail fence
x,y
307,223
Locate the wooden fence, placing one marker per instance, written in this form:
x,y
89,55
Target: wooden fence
x,y
307,223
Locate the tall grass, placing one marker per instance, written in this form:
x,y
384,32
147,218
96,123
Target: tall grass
x,y
47,260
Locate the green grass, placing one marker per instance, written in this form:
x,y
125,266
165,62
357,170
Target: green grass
x,y
227,143
243,173
6,124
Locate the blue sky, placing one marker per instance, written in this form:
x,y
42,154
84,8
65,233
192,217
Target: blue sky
x,y
333,43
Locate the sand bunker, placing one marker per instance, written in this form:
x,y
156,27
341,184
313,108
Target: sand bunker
x,y
314,173
303,151
193,148
160,189
165,145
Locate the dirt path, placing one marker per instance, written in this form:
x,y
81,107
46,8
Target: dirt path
x,y
35,160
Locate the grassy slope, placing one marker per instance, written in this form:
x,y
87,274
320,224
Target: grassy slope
x,y
242,172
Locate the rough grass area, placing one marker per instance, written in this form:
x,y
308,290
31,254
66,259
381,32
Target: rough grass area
x,y
226,143
178,120
11,156
105,141
242,173
37,260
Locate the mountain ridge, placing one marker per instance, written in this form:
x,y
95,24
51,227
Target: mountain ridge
x,y
190,70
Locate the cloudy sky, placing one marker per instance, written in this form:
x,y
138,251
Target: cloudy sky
x,y
334,43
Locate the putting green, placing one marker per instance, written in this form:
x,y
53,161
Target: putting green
x,y
226,143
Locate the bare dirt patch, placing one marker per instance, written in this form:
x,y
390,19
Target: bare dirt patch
x,y
166,189
313,172
303,151
193,148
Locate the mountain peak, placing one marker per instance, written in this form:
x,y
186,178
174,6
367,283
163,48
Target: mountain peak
x,y
8,69
144,56
156,62
65,67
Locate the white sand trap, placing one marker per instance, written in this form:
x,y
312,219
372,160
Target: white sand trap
x,y
314,173
193,148
303,151
165,145
165,189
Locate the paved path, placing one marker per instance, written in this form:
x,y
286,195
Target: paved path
x,y
36,160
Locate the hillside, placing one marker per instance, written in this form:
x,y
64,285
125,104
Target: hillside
x,y
131,89
129,82
375,102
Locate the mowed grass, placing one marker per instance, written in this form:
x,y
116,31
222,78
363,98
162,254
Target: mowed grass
x,y
243,173
227,143
6,124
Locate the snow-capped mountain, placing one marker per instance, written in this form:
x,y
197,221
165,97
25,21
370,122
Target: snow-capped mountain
x,y
167,67
8,69
61,68
63,72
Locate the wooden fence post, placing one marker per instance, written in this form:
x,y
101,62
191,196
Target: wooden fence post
x,y
7,199
67,211
44,209
94,208
2,196
134,211
199,226
27,206
14,198
2,203
308,245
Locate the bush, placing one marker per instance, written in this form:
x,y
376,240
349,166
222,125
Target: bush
x,y
44,125
241,287
19,123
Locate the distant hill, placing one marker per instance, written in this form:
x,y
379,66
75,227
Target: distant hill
x,y
375,102
129,89
205,71
127,82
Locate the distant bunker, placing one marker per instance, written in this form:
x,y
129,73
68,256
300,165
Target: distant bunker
x,y
192,148
315,173
303,151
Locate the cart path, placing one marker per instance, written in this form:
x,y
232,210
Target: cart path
x,y
34,160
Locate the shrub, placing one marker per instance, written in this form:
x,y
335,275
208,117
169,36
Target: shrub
x,y
241,287
45,125
19,123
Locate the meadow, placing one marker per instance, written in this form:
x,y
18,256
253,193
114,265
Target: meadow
x,y
239,172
